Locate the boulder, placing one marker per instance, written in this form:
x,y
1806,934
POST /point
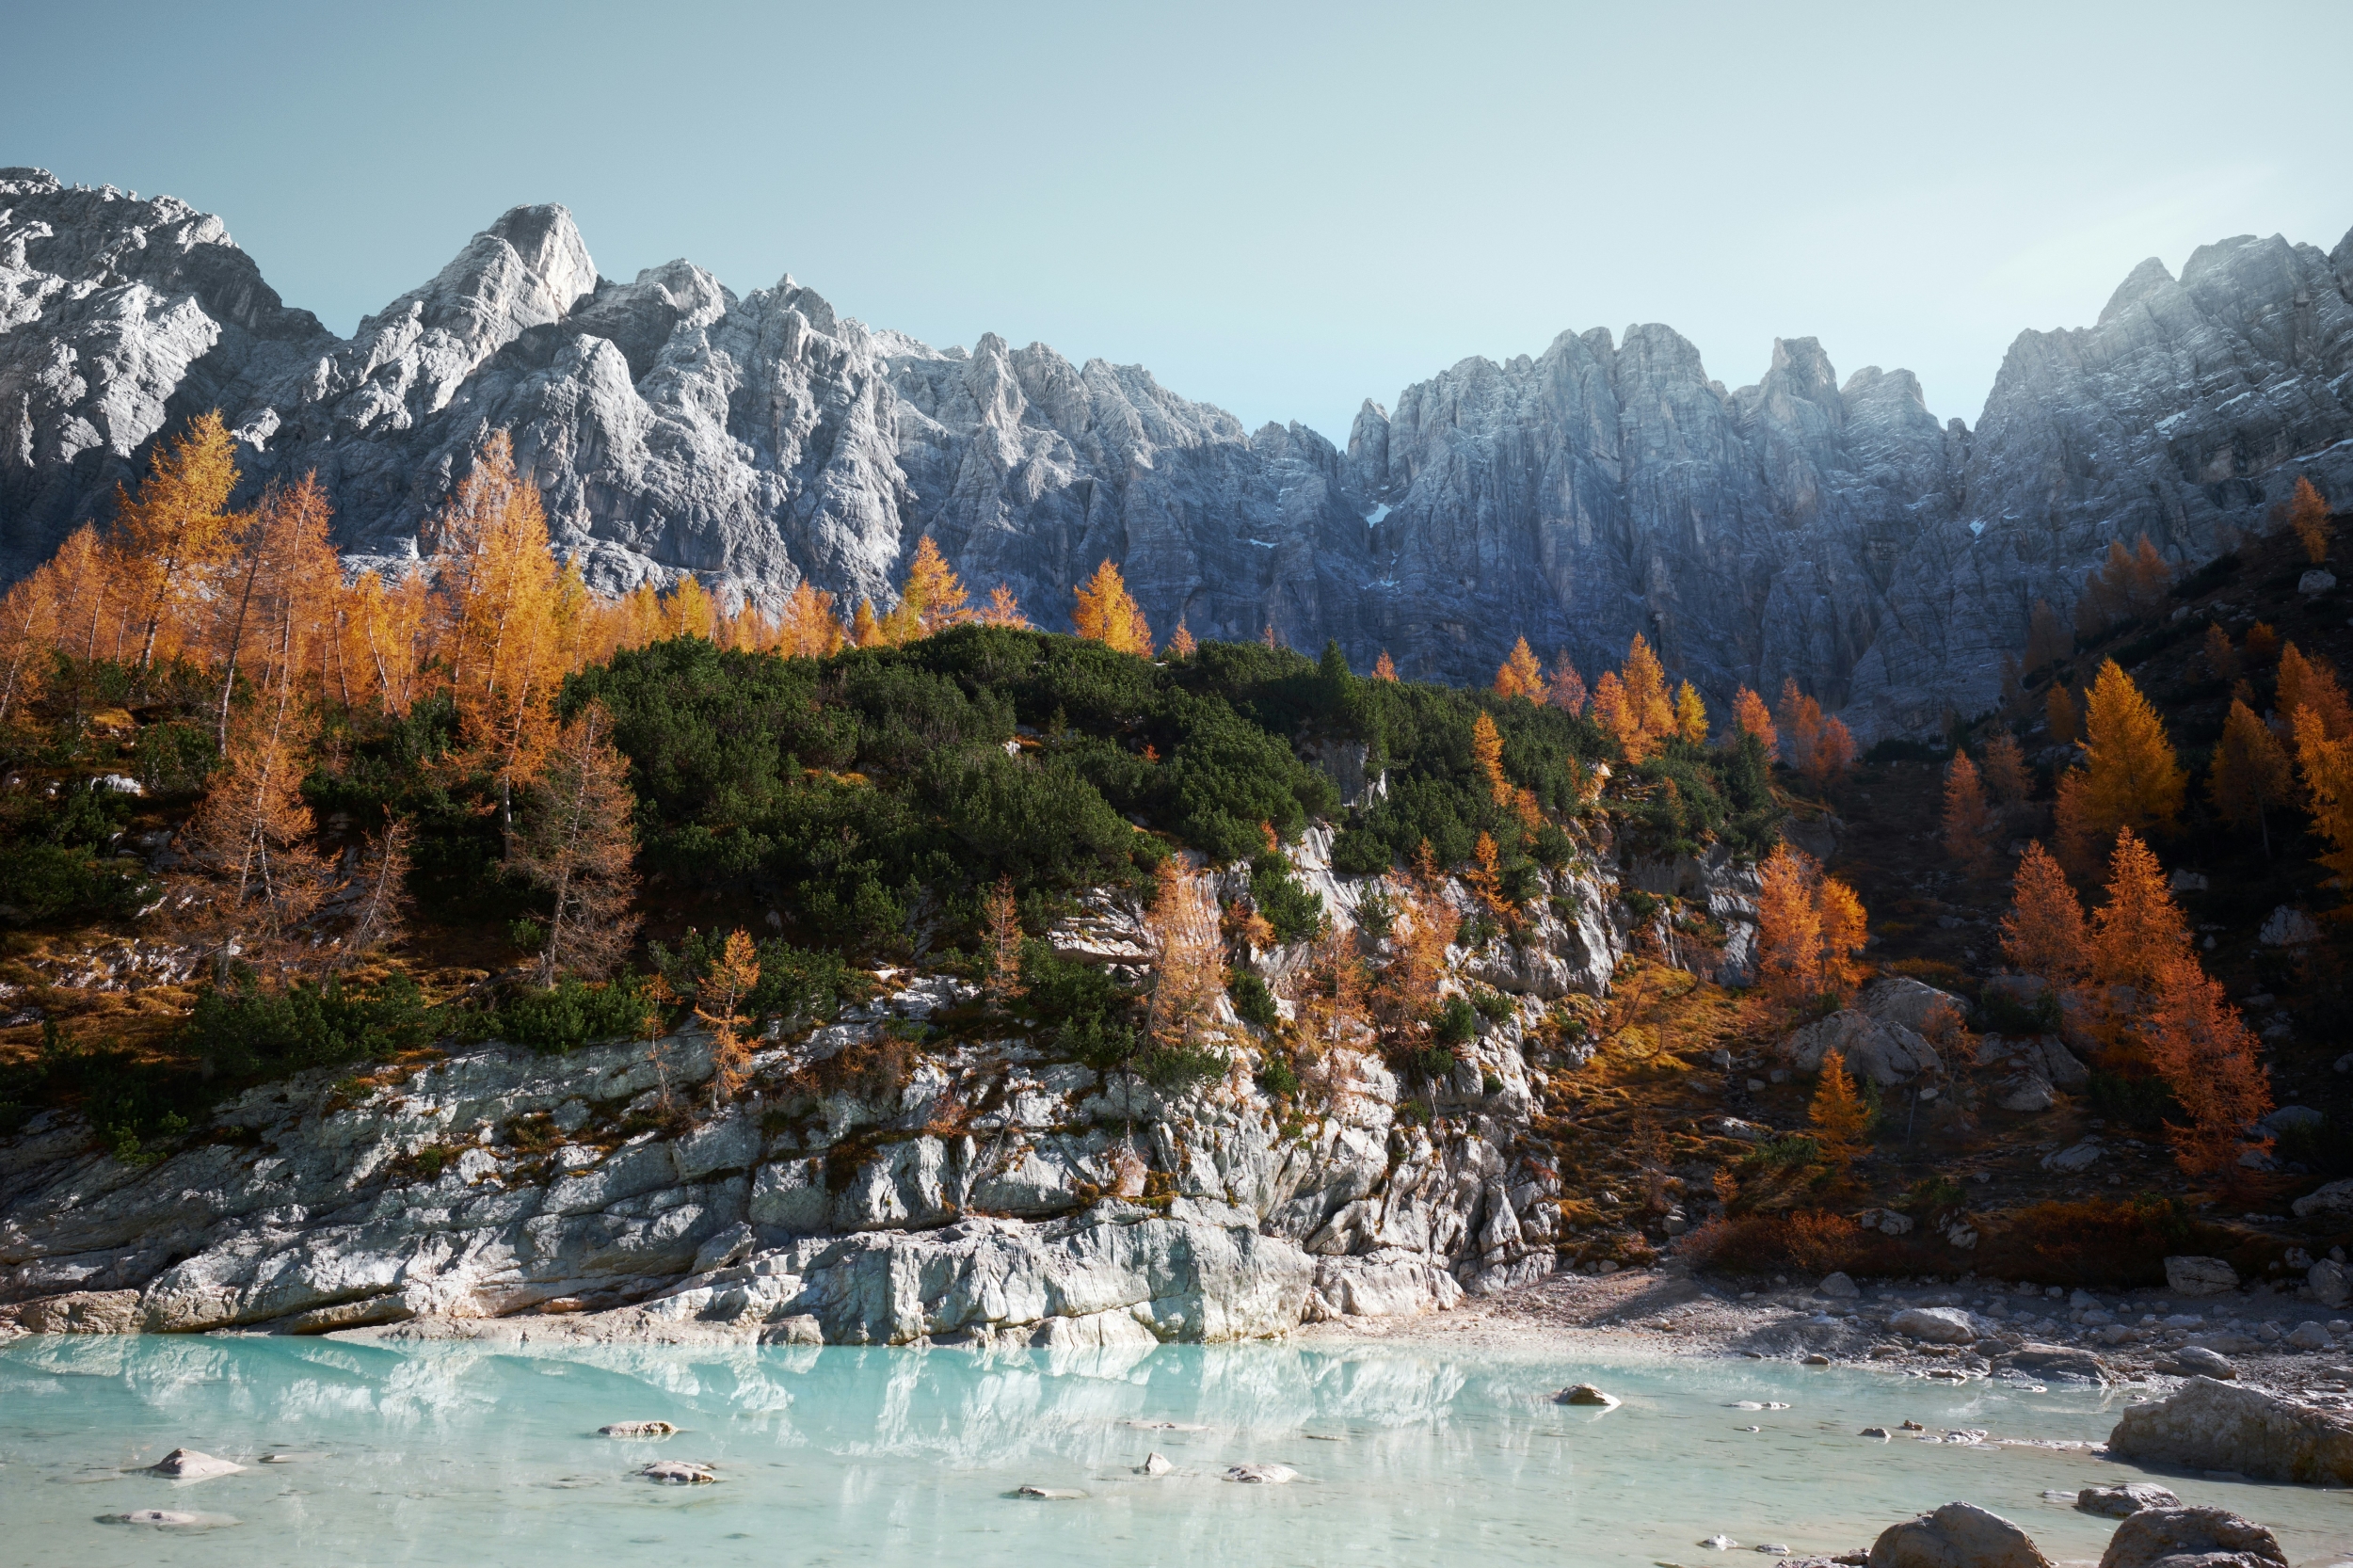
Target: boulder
x,y
2048,1054
638,1430
2191,1538
1052,1494
1585,1392
1901,999
1154,1464
2024,1092
1887,1052
165,1519
82,1312
678,1472
1959,1535
2208,1425
2121,1502
2078,1156
2198,1361
1262,1475
188,1464
1839,1287
2292,1118
2054,1364
2326,1202
2199,1276
1940,1325
2315,582
2330,1283
2309,1336
2287,927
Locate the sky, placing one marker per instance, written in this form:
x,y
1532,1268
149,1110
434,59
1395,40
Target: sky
x,y
1280,209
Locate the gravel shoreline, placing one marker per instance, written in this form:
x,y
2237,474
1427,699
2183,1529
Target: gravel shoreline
x,y
1668,1311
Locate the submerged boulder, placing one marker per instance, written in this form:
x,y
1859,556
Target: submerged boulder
x,y
2206,1425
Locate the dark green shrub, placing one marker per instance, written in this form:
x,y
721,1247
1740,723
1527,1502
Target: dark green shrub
x,y
241,1028
1251,999
1456,1023
1493,1006
1292,908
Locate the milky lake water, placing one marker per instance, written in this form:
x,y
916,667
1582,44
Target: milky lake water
x,y
457,1454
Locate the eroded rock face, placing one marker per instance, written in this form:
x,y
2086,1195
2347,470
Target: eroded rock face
x,y
2206,1425
986,1199
1801,526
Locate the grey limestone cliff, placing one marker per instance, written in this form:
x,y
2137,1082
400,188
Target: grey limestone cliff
x,y
1831,531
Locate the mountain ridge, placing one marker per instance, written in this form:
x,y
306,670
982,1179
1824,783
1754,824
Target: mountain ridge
x,y
1800,527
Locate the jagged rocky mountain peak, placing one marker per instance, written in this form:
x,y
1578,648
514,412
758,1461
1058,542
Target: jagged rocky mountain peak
x,y
1796,527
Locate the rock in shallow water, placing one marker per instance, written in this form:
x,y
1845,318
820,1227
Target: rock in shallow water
x,y
638,1430
1585,1393
1959,1535
1262,1475
1154,1464
188,1464
2122,1502
2206,1425
2191,1538
1052,1494
679,1472
166,1518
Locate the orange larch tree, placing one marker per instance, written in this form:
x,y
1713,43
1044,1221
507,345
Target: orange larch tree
x,y
2212,1063
2004,768
1107,613
2133,779
1810,928
2044,932
1691,714
719,997
1968,822
169,539
1520,675
1384,669
1004,608
2250,774
2308,514
1751,717
1566,689
1487,751
2138,925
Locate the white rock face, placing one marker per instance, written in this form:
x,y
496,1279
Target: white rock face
x,y
1801,526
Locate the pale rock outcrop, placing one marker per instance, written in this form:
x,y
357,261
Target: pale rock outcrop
x,y
1885,1051
1836,532
2206,1425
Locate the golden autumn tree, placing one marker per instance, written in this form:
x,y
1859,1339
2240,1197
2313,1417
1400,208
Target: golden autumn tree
x,y
170,536
932,598
1566,689
1616,717
719,999
1189,968
2004,770
806,627
1520,675
380,641
687,609
2312,683
1968,821
502,629
2261,646
1691,714
2131,778
1487,751
2308,514
865,630
578,843
2138,924
2044,932
1001,932
2327,763
1810,928
1484,878
2251,775
1108,614
32,625
1407,994
2212,1061
1841,1121
1183,645
1004,608
277,583
1384,669
1645,681
1750,717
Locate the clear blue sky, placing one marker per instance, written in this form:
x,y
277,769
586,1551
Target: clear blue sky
x,y
1280,209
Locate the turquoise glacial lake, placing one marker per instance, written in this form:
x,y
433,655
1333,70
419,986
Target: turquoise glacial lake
x,y
488,1455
